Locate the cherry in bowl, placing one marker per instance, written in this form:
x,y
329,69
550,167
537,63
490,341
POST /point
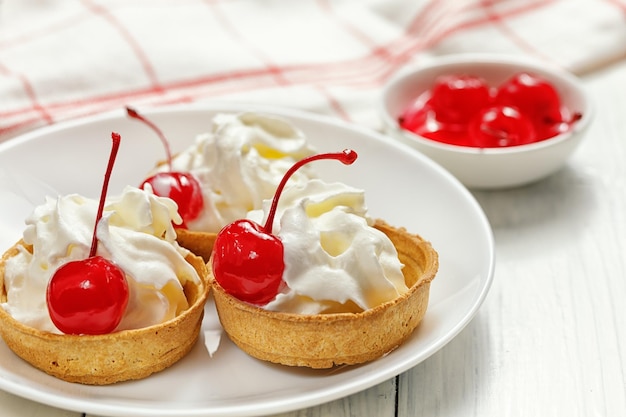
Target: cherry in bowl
x,y
533,120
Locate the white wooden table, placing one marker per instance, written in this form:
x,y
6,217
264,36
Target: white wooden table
x,y
550,339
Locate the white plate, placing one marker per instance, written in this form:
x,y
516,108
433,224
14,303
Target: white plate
x,y
402,187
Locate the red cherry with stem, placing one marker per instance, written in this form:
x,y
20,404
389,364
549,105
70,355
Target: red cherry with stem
x,y
500,126
182,187
248,263
247,258
89,296
457,98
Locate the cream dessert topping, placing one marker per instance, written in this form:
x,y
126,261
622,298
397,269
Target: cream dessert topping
x,y
136,233
239,163
335,261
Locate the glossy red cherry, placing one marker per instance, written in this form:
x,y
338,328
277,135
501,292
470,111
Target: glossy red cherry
x,y
247,258
457,98
449,112
500,126
248,262
418,116
421,119
534,96
89,296
182,187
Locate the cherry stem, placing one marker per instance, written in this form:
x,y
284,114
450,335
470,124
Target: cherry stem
x,y
116,138
347,157
135,115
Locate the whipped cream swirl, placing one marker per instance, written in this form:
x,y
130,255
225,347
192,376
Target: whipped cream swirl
x,y
135,232
240,163
335,261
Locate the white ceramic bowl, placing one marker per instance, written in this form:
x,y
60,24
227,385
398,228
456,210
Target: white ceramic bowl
x,y
488,168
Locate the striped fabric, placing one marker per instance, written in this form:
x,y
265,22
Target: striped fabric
x,y
62,59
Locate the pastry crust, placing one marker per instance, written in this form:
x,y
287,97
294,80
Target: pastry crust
x,y
109,358
327,340
199,243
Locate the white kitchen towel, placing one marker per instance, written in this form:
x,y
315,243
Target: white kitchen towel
x,y
63,59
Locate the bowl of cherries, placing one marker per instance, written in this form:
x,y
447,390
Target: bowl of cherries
x,y
492,121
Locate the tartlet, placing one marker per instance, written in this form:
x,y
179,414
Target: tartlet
x,y
197,242
328,340
114,357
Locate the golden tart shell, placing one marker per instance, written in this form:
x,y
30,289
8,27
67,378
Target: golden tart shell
x,y
327,340
109,358
199,243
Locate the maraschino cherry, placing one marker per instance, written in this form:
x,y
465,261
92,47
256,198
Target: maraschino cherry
x,y
500,126
444,112
247,258
89,296
463,110
182,187
457,98
533,96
